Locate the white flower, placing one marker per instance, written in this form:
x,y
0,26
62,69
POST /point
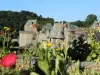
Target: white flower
x,y
85,41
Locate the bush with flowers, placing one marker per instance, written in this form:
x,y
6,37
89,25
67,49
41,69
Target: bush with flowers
x,y
48,54
49,61
7,58
6,36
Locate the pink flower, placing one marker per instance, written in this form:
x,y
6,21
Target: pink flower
x,y
8,60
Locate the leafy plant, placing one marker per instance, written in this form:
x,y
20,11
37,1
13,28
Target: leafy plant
x,y
79,49
94,47
54,61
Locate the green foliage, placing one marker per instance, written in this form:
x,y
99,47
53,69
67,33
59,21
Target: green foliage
x,y
90,72
6,38
76,51
33,73
74,69
79,50
14,44
46,57
78,23
9,71
16,20
94,47
89,20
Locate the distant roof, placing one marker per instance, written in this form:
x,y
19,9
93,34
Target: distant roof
x,y
29,22
96,35
48,26
60,33
57,31
72,27
95,24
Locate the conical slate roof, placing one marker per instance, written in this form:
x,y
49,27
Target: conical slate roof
x,y
96,35
46,29
48,26
72,27
53,33
60,34
95,24
57,31
48,34
30,22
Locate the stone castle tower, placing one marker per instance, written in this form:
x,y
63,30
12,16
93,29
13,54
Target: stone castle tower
x,y
29,34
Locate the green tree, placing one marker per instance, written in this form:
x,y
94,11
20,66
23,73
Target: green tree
x,y
89,20
79,23
16,20
40,16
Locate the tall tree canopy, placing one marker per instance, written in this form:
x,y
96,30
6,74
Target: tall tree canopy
x,y
79,23
17,20
89,20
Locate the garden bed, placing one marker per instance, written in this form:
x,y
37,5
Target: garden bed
x,y
34,60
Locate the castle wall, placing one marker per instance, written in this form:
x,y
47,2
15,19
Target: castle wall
x,y
25,38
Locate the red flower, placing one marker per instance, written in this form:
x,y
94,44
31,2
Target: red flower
x,y
8,60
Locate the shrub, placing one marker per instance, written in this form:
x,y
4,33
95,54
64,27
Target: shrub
x,y
79,50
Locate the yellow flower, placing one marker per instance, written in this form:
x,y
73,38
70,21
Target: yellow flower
x,y
6,28
48,44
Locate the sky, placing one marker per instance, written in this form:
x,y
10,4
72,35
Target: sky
x,y
60,10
